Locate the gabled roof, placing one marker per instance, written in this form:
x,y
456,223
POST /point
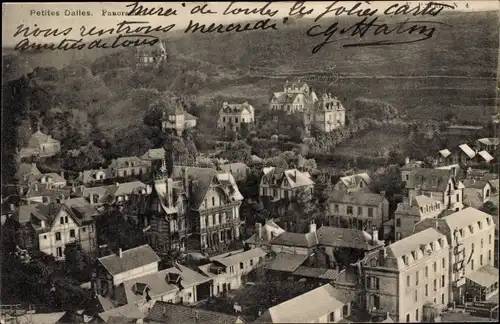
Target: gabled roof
x,y
129,311
188,116
167,313
125,162
127,188
465,217
413,242
131,259
445,153
485,155
236,108
296,239
491,141
475,184
308,307
467,150
356,198
344,237
235,168
234,259
28,169
286,262
154,154
91,175
429,179
294,177
353,181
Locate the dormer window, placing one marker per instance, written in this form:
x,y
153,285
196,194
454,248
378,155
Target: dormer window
x,y
471,229
480,225
414,255
462,233
422,210
488,221
432,246
405,259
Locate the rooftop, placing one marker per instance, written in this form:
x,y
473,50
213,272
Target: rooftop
x,y
131,259
167,313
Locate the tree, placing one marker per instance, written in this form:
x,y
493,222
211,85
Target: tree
x,y
302,210
374,109
490,208
238,151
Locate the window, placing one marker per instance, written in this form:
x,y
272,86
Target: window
x,y
370,212
482,243
398,222
241,265
481,260
416,295
489,239
251,262
407,177
435,266
213,201
472,246
435,284
426,272
442,280
59,252
360,211
331,318
442,299
408,281
443,263
275,193
398,235
336,208
416,278
62,220
407,318
416,315
58,236
83,229
349,210
45,237
489,255
91,228
223,119
72,233
426,290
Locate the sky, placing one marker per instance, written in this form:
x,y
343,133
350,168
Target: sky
x,y
29,14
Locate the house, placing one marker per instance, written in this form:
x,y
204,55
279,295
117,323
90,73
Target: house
x,y
408,166
156,157
402,278
263,235
116,194
284,184
470,234
483,157
178,120
114,269
463,154
27,173
438,184
239,170
49,228
226,271
358,209
443,157
297,96
489,144
151,55
477,192
167,313
92,176
177,284
197,202
129,166
479,174
43,193
40,145
410,212
333,248
325,304
354,183
327,114
232,116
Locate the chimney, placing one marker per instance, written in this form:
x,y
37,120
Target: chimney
x,y
312,227
388,315
375,235
42,224
258,230
410,199
120,253
407,160
62,174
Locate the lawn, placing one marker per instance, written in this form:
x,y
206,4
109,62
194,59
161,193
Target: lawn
x,y
374,142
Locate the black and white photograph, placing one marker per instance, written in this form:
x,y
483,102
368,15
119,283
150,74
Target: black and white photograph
x,y
250,162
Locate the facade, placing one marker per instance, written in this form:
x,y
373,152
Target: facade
x,y
477,192
324,304
407,276
327,114
129,166
228,270
471,236
114,269
354,183
40,145
178,120
358,209
263,235
410,212
232,116
284,184
198,203
296,97
440,185
49,228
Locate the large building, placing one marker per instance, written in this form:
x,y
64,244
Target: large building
x,y
438,184
178,121
471,236
327,114
197,203
407,276
359,210
296,97
40,145
49,228
354,183
232,116
284,184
